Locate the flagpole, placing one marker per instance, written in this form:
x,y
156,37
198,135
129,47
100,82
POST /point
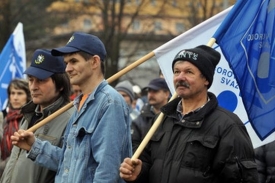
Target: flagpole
x,y
158,120
109,80
151,132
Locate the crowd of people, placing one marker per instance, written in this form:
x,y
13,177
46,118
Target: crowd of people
x,y
93,141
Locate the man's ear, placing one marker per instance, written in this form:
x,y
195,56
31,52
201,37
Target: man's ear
x,y
206,83
96,61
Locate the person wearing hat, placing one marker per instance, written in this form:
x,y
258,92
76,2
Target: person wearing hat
x,y
97,137
125,88
49,86
158,95
197,141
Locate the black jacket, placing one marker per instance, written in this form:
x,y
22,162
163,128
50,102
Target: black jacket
x,y
210,145
141,125
265,159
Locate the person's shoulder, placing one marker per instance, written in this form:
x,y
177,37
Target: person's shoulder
x,y
110,94
270,146
108,89
68,112
227,116
4,112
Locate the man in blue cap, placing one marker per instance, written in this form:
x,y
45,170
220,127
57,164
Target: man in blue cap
x,y
98,136
158,95
50,90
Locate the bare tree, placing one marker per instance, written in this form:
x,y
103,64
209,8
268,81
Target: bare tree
x,y
113,21
5,25
37,21
50,23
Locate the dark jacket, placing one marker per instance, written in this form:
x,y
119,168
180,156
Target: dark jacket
x,y
21,169
265,159
207,146
141,125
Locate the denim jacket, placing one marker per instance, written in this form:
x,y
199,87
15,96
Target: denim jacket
x,y
97,139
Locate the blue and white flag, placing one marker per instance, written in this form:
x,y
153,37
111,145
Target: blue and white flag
x,y
247,40
224,85
12,61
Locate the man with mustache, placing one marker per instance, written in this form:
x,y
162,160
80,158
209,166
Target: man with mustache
x,y
157,95
50,90
198,141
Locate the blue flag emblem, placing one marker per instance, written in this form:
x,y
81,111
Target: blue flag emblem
x,y
247,40
13,62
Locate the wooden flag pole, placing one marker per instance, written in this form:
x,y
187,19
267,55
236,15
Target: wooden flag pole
x,y
158,121
109,80
150,132
130,67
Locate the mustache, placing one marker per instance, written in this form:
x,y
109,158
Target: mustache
x,y
182,83
151,98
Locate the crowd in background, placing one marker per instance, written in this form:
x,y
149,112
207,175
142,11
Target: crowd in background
x,y
141,107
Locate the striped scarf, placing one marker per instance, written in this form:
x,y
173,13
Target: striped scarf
x,y
10,126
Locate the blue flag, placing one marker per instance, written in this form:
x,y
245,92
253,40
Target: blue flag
x,y
12,61
247,40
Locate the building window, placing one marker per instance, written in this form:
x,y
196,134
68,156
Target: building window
x,y
87,24
179,28
138,2
174,3
65,25
136,25
158,26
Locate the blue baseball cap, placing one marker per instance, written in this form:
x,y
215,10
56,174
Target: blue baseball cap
x,y
157,84
82,42
44,65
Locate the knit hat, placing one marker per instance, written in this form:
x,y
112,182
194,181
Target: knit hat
x,y
203,57
82,42
44,65
126,87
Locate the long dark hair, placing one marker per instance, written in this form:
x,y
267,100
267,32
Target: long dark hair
x,y
62,83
